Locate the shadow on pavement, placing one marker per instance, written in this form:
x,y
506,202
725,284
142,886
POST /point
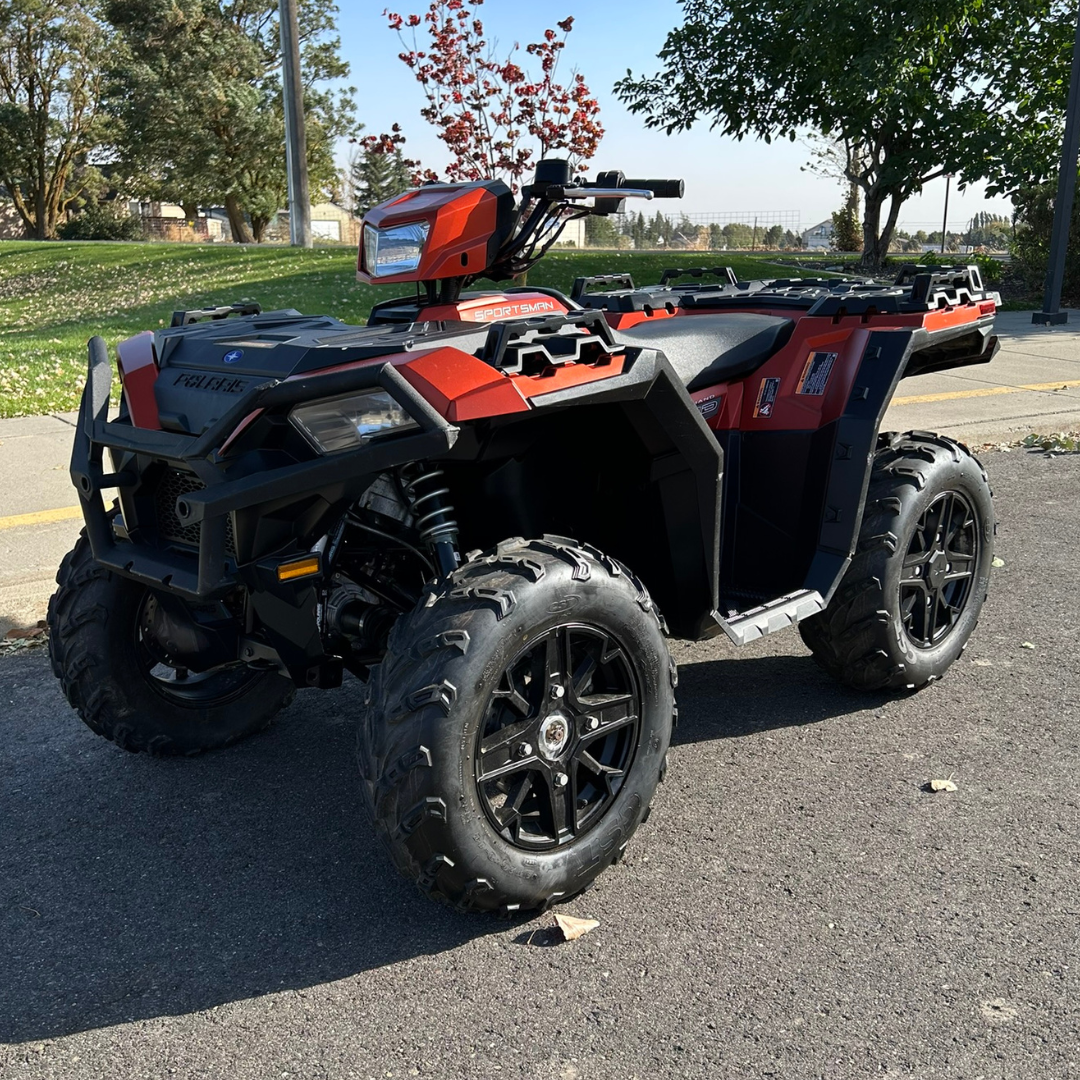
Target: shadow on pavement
x,y
132,888
732,697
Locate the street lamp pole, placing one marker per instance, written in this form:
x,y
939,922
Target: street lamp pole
x,y
295,137
1051,314
945,221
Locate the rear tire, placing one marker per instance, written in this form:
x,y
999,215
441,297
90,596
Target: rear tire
x,y
106,673
484,772
913,592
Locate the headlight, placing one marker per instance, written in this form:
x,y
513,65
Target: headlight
x,y
396,250
349,421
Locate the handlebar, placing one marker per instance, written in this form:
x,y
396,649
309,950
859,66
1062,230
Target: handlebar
x,y
662,189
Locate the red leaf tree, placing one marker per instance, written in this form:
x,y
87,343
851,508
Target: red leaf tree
x,y
492,114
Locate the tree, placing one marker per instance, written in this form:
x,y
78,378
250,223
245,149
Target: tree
x,y
773,238
659,231
847,236
51,120
484,107
601,232
1031,246
378,176
1016,143
738,235
988,230
900,88
197,88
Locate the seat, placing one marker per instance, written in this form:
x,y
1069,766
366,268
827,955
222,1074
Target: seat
x,y
708,349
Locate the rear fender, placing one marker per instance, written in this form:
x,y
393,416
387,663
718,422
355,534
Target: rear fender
x,y
795,493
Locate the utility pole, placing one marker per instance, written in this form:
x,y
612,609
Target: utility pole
x,y
945,223
1051,314
295,139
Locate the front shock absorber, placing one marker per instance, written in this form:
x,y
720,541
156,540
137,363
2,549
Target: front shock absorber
x,y
428,499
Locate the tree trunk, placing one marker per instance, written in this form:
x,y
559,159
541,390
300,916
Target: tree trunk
x,y
191,210
890,224
41,222
876,237
258,227
241,234
872,255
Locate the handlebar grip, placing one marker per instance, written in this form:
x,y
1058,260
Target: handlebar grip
x,y
662,189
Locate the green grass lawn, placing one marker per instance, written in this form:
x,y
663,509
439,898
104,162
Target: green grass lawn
x,y
54,296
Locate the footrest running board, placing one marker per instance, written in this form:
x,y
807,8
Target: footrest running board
x,y
776,615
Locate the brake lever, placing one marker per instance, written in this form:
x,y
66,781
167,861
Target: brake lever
x,y
555,193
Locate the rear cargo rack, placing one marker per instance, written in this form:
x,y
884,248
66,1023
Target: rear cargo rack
x,y
916,289
583,284
186,318
724,273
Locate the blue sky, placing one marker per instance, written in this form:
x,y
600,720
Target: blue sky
x,y
722,175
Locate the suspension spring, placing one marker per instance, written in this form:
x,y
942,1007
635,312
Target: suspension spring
x,y
428,499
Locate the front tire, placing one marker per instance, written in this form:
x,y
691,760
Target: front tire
x,y
516,730
123,693
913,592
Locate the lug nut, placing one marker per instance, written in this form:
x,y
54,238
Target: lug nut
x,y
557,692
561,779
525,749
592,723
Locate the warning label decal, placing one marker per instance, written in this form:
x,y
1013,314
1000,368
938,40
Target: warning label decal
x,y
815,376
766,397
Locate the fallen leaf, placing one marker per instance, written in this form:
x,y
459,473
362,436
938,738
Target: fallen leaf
x,y
943,785
983,662
1027,645
997,1011
573,928
22,633
998,562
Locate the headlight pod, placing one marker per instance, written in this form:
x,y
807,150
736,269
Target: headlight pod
x,y
346,422
396,250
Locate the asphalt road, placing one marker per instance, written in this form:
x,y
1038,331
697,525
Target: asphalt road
x,y
797,906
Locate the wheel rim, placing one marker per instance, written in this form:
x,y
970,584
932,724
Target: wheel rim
x,y
175,683
559,737
939,570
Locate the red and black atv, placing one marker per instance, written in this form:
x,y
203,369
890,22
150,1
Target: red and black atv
x,y
299,498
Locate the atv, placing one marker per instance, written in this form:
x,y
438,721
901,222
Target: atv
x,y
298,498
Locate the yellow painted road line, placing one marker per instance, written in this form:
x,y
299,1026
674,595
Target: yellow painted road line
x,y
40,517
984,391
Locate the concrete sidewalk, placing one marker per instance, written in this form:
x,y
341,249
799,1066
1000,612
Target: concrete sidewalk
x,y
1032,385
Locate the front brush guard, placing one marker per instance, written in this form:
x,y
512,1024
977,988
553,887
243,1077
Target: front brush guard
x,y
213,574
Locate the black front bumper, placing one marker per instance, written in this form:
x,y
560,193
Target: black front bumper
x,y
209,571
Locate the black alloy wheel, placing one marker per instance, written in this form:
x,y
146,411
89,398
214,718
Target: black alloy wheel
x,y
939,569
558,737
919,574
514,734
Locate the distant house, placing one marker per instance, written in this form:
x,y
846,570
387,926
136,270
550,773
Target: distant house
x,y
329,221
818,236
167,221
